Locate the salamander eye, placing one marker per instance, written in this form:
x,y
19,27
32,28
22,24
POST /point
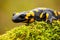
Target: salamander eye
x,y
22,16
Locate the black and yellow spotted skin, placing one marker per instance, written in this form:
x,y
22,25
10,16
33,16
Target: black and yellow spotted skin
x,y
38,14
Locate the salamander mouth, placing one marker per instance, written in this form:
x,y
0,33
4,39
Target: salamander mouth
x,y
18,20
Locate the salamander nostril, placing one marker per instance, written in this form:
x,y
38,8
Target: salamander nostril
x,y
13,14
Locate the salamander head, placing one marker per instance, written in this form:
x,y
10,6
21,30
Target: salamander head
x,y
19,17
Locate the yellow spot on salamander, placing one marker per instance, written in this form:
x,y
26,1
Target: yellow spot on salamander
x,y
26,17
58,13
47,15
28,14
41,15
17,13
31,13
31,20
55,13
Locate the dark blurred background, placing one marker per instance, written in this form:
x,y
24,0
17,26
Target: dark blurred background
x,y
7,7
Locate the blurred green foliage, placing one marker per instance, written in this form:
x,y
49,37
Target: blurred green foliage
x,y
7,7
35,31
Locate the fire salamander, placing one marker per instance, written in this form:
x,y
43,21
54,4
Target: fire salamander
x,y
38,14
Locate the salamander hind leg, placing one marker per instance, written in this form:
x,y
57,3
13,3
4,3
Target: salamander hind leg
x,y
51,19
49,16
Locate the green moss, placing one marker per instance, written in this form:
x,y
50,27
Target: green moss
x,y
35,31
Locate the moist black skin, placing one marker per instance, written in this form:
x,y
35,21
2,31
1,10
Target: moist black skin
x,y
20,17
